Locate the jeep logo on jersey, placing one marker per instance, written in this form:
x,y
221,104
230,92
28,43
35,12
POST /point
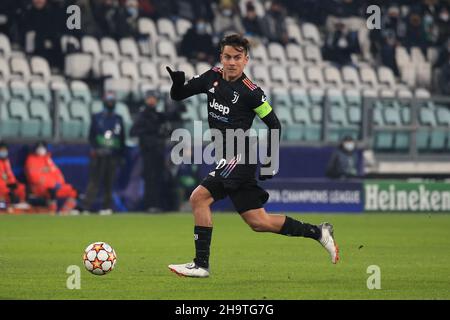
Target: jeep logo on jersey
x,y
219,107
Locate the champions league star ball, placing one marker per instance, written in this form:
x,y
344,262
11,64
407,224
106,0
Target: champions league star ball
x,y
99,258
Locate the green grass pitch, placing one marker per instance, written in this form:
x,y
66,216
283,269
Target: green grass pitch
x,y
412,252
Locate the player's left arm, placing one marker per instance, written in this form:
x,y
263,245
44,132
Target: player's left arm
x,y
266,113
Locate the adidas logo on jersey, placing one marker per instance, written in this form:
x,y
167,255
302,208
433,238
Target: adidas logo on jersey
x,y
219,107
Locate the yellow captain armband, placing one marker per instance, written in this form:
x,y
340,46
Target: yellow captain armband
x,y
263,110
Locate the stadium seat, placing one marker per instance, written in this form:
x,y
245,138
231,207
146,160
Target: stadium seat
x,y
81,91
166,29
149,72
438,139
70,44
4,92
79,65
129,70
443,116
202,67
39,110
110,48
314,76
294,33
354,115
368,77
311,33
62,91
91,46
259,54
332,77
5,74
316,96
294,54
293,132
122,87
164,77
316,114
40,68
276,53
129,48
336,98
386,77
109,69
261,76
40,91
313,55
279,76
29,127
350,77
20,69
69,128
353,97
182,26
300,98
19,90
5,46
165,50
297,77
281,98
80,110
122,110
10,126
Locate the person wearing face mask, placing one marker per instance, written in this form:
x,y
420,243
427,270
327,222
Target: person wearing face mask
x,y
149,127
197,43
107,140
11,191
343,162
46,180
127,19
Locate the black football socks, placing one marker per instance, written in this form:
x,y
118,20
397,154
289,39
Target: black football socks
x,y
295,228
202,238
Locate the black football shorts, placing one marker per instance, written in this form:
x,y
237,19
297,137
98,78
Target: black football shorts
x,y
245,194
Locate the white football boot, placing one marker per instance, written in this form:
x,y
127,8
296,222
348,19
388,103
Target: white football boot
x,y
189,270
327,241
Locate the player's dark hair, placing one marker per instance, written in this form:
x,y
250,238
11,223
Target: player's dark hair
x,y
237,41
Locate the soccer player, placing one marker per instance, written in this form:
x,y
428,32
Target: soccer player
x,y
233,102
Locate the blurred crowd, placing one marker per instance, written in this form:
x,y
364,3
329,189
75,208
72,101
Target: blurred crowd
x,y
409,23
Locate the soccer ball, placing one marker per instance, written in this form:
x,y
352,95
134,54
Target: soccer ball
x,y
99,258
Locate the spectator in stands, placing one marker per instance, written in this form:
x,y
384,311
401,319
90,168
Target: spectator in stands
x,y
444,76
340,45
105,13
387,53
127,20
197,43
155,9
415,32
343,161
443,23
227,19
274,24
11,191
252,24
46,180
107,140
41,27
89,23
150,128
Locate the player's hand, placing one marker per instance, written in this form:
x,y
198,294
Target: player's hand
x,y
177,77
262,176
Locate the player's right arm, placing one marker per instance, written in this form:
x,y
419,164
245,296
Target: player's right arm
x,y
180,90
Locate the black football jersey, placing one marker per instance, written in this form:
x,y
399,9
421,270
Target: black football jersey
x,y
231,105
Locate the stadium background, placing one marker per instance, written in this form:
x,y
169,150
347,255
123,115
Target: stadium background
x,y
326,74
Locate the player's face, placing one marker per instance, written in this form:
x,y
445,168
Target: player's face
x,y
234,62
